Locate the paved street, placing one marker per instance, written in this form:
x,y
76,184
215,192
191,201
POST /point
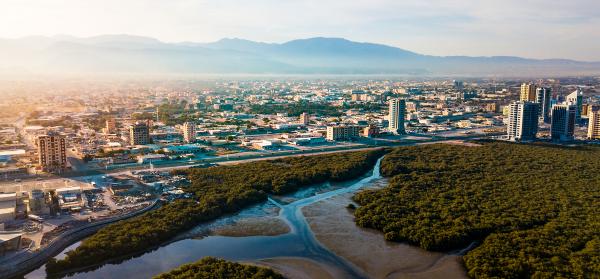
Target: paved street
x,y
84,179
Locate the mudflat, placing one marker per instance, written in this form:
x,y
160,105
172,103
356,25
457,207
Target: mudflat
x,y
333,225
265,226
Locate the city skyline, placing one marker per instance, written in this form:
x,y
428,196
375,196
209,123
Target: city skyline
x,y
553,30
299,139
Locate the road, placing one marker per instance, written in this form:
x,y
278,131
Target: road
x,y
86,177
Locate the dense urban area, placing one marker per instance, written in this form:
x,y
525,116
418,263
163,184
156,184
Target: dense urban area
x,y
135,162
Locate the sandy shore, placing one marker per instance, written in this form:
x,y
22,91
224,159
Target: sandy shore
x,y
334,227
267,226
299,268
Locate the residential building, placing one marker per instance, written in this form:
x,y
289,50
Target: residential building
x,y
523,121
543,96
458,85
52,152
576,99
585,110
343,132
139,134
397,113
412,106
491,107
562,125
111,126
304,119
189,132
370,131
594,123
527,92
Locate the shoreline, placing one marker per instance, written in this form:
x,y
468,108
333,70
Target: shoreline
x,y
298,268
333,225
252,226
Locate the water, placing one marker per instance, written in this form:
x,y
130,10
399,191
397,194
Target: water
x,y
299,242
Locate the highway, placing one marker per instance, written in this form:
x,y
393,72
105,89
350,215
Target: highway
x,y
84,178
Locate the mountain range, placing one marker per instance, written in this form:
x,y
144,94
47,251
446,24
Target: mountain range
x,y
115,54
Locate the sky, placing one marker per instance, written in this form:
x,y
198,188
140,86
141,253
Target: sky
x,y
529,28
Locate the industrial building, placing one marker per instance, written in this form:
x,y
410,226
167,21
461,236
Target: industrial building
x,y
70,199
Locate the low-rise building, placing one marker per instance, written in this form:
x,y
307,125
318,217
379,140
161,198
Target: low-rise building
x,y
70,198
370,131
306,141
343,132
9,241
183,149
13,172
266,144
8,206
39,202
150,158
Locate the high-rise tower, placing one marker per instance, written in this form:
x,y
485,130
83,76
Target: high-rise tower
x,y
562,127
52,152
527,92
594,123
523,121
543,96
397,114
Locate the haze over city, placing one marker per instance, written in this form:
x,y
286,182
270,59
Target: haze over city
x,y
304,139
532,29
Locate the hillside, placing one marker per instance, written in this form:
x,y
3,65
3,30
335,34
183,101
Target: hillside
x,y
116,54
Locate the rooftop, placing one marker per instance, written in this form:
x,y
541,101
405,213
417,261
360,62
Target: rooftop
x,y
8,196
68,189
7,210
8,236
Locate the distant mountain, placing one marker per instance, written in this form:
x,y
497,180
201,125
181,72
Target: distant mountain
x,y
134,54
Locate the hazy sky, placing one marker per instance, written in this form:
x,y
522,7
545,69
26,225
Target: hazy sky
x,y
529,28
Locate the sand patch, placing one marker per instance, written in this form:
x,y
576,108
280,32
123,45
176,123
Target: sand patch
x,y
263,226
333,225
